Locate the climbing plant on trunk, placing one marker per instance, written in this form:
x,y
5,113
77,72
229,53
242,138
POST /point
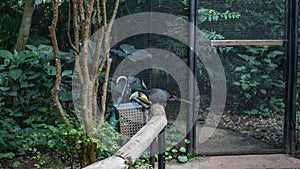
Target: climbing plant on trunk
x,y
91,60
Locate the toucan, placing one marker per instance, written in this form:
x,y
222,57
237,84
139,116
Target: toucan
x,y
155,95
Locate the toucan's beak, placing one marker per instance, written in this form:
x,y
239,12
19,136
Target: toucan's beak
x,y
144,98
134,95
141,96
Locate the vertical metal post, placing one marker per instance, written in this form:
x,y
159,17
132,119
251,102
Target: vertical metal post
x,y
161,150
149,42
194,130
152,153
291,77
191,63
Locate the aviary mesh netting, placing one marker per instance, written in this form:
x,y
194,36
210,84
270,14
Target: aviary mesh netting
x,y
253,119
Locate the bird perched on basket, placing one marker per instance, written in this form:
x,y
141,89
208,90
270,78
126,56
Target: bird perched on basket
x,y
154,95
140,98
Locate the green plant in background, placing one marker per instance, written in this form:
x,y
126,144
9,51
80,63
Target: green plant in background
x,y
143,161
29,122
260,82
179,153
174,150
25,81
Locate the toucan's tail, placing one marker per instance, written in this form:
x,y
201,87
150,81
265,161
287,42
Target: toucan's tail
x,y
175,98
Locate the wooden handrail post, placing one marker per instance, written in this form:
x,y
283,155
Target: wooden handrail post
x,y
135,147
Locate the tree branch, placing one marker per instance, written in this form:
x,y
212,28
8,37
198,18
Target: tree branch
x,y
76,39
69,25
55,89
104,15
104,93
107,32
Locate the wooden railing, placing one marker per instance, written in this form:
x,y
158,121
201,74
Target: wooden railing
x,y
135,147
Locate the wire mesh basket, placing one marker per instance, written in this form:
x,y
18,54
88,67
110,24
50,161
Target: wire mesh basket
x,y
133,118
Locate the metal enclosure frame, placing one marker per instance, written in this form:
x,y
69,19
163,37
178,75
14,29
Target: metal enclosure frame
x,y
292,7
291,77
291,45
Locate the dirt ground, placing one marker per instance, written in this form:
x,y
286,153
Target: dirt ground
x,y
277,161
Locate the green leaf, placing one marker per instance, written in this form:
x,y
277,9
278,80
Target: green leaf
x,y
65,96
4,89
139,55
271,65
245,57
275,53
237,83
48,84
6,54
128,49
15,74
247,95
31,47
174,150
187,141
35,75
118,53
45,47
264,76
192,157
16,114
182,159
257,63
263,91
239,68
66,73
6,62
253,84
43,109
182,149
267,60
245,86
51,70
13,93
9,155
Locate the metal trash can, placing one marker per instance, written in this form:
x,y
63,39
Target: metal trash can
x,y
133,118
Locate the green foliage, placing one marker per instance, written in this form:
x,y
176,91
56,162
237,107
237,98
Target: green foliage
x,y
214,15
26,79
179,153
10,18
143,161
259,80
130,52
173,148
29,122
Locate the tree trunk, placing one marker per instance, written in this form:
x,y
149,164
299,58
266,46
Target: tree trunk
x,y
88,155
25,25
